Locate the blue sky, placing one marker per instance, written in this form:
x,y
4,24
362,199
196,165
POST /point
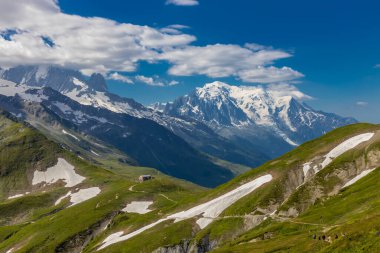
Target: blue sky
x,y
335,45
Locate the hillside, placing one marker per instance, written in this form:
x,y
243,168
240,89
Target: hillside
x,y
285,207
279,206
53,201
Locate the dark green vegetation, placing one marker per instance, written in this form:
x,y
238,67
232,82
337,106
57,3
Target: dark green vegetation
x,y
281,216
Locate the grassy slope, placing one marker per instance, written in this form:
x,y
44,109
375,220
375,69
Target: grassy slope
x,y
49,229
33,224
354,212
226,229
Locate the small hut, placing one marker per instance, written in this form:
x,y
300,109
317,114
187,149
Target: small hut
x,y
144,178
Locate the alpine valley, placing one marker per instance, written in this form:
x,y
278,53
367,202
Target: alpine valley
x,y
229,169
218,130
320,197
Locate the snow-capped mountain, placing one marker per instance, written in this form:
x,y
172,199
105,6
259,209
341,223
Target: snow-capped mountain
x,y
266,117
60,79
143,140
84,90
244,125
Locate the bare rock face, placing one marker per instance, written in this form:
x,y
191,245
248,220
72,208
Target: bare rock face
x,y
78,242
183,247
325,184
97,82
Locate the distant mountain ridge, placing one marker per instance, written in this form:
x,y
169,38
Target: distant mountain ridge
x,y
60,79
255,113
222,123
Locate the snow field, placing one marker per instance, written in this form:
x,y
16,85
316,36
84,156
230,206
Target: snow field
x,y
337,151
80,196
209,210
61,171
140,207
345,146
358,177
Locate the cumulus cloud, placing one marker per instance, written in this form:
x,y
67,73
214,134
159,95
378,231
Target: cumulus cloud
x,y
39,33
183,2
270,74
89,44
377,66
248,64
118,77
148,80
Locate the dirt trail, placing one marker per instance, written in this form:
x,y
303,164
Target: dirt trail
x,y
162,195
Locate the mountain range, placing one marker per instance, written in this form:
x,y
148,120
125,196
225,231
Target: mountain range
x,y
219,129
320,197
265,118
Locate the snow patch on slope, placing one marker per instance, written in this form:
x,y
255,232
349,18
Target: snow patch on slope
x,y
83,195
69,134
80,196
335,152
10,250
358,177
344,147
62,198
61,171
18,195
140,207
306,168
209,210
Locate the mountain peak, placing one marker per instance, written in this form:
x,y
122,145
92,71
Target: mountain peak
x,y
251,110
216,84
98,82
56,77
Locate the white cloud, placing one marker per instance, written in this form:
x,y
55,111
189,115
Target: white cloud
x,y
172,83
89,44
118,77
183,2
174,29
268,74
256,47
149,81
155,81
108,47
222,60
361,103
285,89
377,66
178,26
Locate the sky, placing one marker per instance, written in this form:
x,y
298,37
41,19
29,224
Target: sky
x,y
157,50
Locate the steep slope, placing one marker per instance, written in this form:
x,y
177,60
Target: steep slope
x,y
255,116
244,215
349,222
52,201
145,141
